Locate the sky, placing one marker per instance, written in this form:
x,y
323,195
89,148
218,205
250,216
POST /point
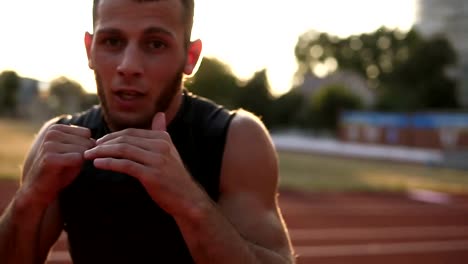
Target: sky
x,y
44,39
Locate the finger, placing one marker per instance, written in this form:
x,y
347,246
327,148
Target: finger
x,y
62,148
133,132
59,136
159,122
153,145
73,130
56,160
128,167
125,151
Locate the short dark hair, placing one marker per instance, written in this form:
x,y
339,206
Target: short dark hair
x,y
188,13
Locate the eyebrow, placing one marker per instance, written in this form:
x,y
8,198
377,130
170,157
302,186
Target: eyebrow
x,y
148,31
158,30
107,31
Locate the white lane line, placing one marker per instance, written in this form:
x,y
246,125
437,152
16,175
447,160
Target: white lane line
x,y
429,196
381,249
59,256
374,210
349,250
378,233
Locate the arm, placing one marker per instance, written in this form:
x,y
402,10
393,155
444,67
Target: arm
x,y
245,227
31,224
247,220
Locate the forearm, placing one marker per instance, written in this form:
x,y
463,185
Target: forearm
x,y
211,238
19,227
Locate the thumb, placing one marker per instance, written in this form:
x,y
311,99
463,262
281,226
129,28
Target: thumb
x,y
159,122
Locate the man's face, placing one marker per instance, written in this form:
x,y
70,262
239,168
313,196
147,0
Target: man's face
x,y
138,54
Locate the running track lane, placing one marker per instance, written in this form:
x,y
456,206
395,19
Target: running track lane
x,y
357,228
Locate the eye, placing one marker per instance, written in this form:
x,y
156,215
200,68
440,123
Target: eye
x,y
155,45
112,42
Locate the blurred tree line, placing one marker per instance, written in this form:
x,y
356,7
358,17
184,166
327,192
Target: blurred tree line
x,y
9,87
64,96
404,71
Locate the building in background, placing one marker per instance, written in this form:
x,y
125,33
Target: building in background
x,y
450,18
27,97
352,81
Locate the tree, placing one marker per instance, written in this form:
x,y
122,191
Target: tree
x,y
65,96
214,80
286,109
397,64
327,104
9,86
255,96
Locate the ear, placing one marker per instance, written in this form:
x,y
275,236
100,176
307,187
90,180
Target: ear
x,y
193,55
88,40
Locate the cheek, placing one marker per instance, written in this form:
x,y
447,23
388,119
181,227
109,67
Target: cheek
x,y
105,67
165,69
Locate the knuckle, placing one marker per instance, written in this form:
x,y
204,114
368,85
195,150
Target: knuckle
x,y
164,147
86,131
52,134
124,149
130,131
165,135
49,160
48,146
56,127
123,139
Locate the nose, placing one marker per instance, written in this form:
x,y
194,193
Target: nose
x,y
131,63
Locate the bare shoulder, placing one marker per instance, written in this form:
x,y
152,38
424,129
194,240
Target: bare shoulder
x,y
247,124
250,160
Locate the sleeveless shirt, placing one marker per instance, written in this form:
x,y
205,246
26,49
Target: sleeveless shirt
x,y
110,218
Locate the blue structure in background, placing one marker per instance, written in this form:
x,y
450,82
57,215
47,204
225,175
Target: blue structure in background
x,y
396,120
441,130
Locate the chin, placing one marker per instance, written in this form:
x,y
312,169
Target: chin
x,y
120,121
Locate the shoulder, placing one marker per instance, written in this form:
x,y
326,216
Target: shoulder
x,y
245,122
249,131
250,160
208,116
89,118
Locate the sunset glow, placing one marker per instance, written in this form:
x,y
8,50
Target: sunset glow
x,y
44,39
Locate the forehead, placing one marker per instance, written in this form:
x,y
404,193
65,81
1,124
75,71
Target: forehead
x,y
139,15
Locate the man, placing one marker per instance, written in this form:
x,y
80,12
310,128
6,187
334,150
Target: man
x,y
155,174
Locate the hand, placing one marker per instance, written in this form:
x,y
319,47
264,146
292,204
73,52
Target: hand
x,y
151,157
57,161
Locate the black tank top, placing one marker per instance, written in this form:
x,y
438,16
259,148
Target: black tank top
x,y
110,218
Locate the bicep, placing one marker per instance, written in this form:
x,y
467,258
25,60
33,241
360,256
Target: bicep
x,y
249,181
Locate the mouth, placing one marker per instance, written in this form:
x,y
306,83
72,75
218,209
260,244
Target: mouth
x,y
128,95
128,100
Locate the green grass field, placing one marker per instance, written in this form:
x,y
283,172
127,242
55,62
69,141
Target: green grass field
x,y
325,173
15,140
298,171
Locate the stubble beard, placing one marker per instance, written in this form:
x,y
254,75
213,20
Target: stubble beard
x,y
162,103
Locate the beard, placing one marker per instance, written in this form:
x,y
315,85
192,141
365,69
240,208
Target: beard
x,y
168,91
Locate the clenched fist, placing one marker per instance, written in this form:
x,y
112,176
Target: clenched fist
x,y
57,160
